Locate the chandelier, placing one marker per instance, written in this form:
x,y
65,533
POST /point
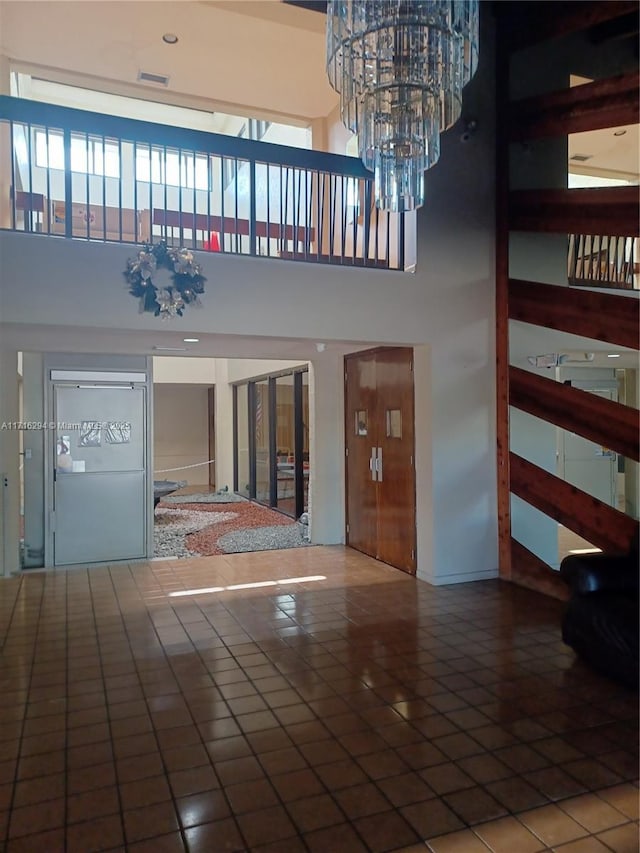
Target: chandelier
x,y
400,67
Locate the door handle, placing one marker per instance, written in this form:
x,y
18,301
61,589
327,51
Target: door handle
x,y
373,464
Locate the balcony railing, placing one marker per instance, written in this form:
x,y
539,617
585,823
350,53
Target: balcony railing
x,y
77,174
603,261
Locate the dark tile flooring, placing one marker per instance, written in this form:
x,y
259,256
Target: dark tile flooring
x,y
304,700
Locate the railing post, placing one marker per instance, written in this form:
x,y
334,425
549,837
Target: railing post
x,y
401,253
253,238
366,220
68,186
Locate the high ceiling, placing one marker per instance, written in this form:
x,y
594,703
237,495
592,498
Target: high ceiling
x,y
266,55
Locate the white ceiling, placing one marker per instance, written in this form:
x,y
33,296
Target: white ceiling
x,y
611,152
93,340
610,155
528,340
265,55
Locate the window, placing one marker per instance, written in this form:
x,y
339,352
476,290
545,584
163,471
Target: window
x,y
257,128
174,168
362,422
92,155
254,129
229,170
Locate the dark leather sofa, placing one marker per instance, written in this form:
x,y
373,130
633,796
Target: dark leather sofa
x,y
602,616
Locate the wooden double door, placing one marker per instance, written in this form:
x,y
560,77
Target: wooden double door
x,y
379,430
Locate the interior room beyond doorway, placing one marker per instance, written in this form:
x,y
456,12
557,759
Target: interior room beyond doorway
x,y
231,455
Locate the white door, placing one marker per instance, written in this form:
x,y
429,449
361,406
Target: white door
x,y
99,492
588,465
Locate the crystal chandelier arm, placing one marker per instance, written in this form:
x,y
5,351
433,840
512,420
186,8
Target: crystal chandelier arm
x,y
400,67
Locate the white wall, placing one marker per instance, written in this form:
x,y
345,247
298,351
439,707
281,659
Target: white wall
x,y
181,432
254,296
455,270
326,449
186,370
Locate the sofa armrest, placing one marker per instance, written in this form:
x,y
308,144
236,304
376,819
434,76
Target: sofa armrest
x,y
600,573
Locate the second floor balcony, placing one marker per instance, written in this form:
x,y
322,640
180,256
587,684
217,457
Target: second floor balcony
x,y
79,175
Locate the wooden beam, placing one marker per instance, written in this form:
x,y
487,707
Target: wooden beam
x,y
604,103
605,210
502,311
530,571
607,423
534,21
597,522
601,316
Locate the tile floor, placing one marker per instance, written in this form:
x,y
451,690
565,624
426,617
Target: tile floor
x,y
361,710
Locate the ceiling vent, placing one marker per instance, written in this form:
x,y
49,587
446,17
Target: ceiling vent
x,y
169,349
581,158
149,77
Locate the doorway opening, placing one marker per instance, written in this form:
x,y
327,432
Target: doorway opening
x,y
231,455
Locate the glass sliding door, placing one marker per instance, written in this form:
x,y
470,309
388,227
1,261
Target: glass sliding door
x,y
285,445
304,429
241,428
261,424
271,427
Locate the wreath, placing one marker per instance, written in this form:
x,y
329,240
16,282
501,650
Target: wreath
x,y
166,301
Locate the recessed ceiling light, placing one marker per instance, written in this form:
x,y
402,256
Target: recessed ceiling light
x,y
191,340
613,355
619,132
170,38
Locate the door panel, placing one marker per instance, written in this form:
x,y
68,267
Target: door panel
x,y
396,491
100,517
380,434
100,479
361,438
588,465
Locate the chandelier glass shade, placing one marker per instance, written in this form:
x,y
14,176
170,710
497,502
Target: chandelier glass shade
x,y
400,67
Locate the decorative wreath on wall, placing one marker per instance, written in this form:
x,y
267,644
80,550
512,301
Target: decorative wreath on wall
x,y
167,300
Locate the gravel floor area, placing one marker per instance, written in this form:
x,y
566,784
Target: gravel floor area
x,y
205,498
172,526
262,539
204,529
